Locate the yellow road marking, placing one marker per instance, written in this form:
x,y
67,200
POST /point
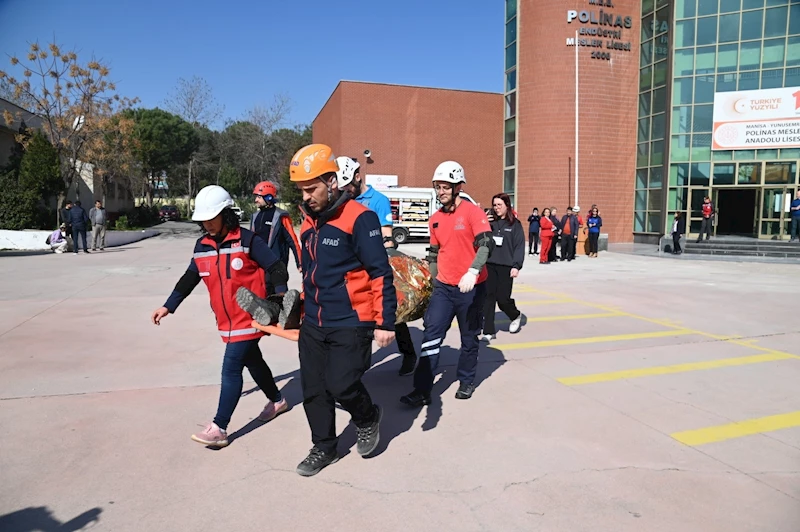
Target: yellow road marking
x,y
676,368
593,339
566,317
739,429
545,302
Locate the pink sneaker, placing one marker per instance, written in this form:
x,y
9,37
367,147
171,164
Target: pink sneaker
x,y
272,410
212,435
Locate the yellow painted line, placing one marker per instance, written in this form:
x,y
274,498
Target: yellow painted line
x,y
593,339
566,317
676,368
545,302
739,429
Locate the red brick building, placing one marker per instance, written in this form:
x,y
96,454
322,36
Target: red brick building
x,y
410,130
540,106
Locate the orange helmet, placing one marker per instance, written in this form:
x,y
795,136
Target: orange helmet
x,y
311,162
265,188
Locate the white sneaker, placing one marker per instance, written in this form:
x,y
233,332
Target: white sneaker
x,y
515,325
485,338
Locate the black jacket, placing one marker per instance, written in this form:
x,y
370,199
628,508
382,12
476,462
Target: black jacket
x,y
681,226
512,250
573,224
78,217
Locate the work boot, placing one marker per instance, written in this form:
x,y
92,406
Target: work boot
x,y
409,364
212,436
465,390
265,312
416,399
289,317
369,436
316,461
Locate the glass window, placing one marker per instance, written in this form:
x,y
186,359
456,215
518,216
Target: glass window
x,y
706,60
706,7
752,22
684,33
703,121
682,119
724,174
792,77
704,89
646,53
644,129
660,74
722,155
657,177
697,203
775,173
685,8
793,52
647,27
767,154
790,153
511,8
654,199
508,180
662,16
682,91
729,27
661,48
771,79
645,79
701,147
656,152
511,104
726,82
511,80
641,178
773,53
661,3
700,174
794,19
659,100
659,126
511,130
511,56
745,155
727,57
748,174
684,62
510,155
647,6
638,222
644,103
728,6
654,218
677,199
679,148
511,31
642,153
750,55
748,81
641,200
771,3
752,4
706,30
775,21
678,175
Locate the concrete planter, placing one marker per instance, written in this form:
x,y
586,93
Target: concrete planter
x,y
35,240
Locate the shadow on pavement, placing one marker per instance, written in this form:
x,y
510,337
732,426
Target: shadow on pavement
x,y
41,519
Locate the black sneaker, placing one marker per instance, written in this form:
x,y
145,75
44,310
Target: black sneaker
x,y
409,364
465,390
289,316
416,399
263,311
315,462
370,436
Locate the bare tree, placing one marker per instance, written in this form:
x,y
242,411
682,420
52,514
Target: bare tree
x,y
193,100
267,119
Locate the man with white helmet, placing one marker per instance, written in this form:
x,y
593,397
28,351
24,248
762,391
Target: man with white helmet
x,y
349,180
229,258
461,241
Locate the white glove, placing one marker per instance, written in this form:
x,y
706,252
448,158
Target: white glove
x,y
467,282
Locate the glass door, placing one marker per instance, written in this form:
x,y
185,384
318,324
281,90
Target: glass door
x,y
773,209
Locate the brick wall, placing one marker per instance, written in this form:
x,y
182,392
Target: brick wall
x,y
410,130
608,95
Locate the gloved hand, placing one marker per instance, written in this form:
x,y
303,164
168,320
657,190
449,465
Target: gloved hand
x,y
467,282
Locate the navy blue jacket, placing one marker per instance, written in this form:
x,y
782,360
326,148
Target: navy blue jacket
x,y
533,219
78,217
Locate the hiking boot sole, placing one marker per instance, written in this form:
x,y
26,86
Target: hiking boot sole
x,y
313,472
289,316
252,304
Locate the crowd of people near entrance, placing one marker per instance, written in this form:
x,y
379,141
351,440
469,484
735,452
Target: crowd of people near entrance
x,y
348,300
556,239
76,223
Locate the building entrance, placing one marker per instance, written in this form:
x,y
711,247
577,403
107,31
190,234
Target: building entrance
x,y
737,210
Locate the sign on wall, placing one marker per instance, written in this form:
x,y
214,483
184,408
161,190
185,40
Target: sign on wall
x,y
746,120
381,182
600,29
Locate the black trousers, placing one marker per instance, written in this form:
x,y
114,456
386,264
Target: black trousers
x,y
499,285
78,231
676,242
568,246
593,239
552,256
705,227
533,242
332,362
404,343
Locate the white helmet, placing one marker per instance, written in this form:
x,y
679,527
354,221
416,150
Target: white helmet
x,y
450,172
347,171
209,203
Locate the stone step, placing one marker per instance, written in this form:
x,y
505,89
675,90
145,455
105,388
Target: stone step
x,y
777,254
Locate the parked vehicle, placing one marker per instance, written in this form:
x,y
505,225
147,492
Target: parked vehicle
x,y
169,213
411,209
239,212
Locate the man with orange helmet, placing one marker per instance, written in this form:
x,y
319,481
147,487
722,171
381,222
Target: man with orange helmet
x,y
274,225
349,300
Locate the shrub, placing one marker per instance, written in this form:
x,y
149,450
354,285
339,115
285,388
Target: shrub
x,y
122,224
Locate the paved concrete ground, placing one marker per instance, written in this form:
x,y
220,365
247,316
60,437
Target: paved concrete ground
x,y
624,404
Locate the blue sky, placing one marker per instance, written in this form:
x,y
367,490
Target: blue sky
x,y
250,50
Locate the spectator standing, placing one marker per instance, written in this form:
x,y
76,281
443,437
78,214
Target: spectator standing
x,y
99,219
533,232
552,255
795,210
708,219
569,237
678,229
79,220
593,225
65,217
546,233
